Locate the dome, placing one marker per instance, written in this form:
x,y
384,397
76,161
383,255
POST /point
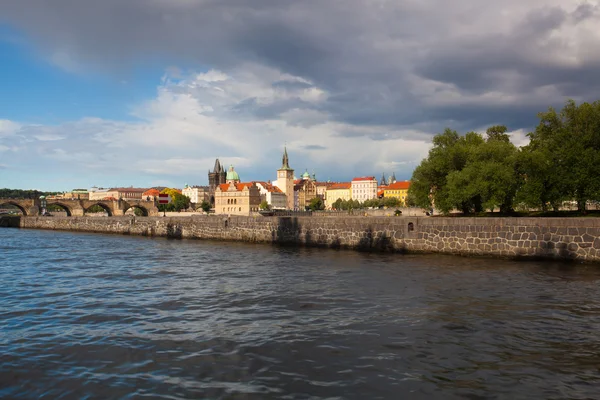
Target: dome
x,y
232,175
306,175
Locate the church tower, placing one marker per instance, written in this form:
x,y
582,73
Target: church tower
x,y
285,179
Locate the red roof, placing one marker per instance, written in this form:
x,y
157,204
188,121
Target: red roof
x,y
364,178
343,185
403,185
269,187
151,192
239,186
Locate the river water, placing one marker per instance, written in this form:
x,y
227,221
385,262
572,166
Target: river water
x,y
100,316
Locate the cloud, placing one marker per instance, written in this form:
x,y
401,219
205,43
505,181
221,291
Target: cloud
x,y
364,63
314,147
369,81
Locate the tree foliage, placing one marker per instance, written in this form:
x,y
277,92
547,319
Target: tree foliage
x,y
205,206
471,173
264,205
316,204
178,201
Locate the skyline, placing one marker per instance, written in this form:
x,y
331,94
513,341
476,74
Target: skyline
x,y
150,93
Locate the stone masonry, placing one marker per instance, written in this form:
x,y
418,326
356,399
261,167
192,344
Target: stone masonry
x,y
554,238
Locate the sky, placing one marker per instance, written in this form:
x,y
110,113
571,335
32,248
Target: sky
x,y
149,92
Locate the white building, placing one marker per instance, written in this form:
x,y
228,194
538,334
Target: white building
x,y
273,195
197,194
364,188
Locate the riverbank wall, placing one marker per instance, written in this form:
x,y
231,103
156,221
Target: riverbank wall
x,y
550,238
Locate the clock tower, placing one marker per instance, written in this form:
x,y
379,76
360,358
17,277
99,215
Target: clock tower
x,y
285,180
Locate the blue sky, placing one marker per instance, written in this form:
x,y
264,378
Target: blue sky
x,y
144,93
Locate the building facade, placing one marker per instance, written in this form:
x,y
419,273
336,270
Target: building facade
x,y
237,198
276,199
335,191
197,194
285,180
398,190
364,188
215,178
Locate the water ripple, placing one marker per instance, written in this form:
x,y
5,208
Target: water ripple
x,y
99,316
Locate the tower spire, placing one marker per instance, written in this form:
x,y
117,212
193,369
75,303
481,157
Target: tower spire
x,y
285,162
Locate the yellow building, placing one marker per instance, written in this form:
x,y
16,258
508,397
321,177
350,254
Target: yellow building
x,y
337,191
237,198
398,190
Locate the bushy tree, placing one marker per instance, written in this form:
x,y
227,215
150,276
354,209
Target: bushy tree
x,y
316,204
264,205
392,202
205,206
562,160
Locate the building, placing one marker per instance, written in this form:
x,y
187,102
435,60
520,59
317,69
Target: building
x,y
96,193
237,198
197,194
215,178
285,180
364,188
337,191
129,193
398,190
272,195
150,194
306,189
232,176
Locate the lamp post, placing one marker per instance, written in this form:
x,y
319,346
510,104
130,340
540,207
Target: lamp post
x,y
43,204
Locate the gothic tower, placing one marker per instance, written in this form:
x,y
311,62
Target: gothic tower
x,y
285,179
216,178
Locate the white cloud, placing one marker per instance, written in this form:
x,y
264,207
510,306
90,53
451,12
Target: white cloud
x,y
186,126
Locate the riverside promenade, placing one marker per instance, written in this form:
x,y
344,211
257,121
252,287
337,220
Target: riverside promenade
x,y
546,238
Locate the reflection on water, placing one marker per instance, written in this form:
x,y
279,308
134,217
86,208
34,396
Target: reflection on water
x,y
98,316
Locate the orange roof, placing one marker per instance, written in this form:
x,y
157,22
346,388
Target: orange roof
x,y
380,193
364,178
110,198
239,186
151,192
343,185
269,187
403,185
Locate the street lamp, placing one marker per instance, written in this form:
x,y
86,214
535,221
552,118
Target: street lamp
x,y
43,204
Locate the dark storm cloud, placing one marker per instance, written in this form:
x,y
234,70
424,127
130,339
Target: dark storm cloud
x,y
374,58
314,147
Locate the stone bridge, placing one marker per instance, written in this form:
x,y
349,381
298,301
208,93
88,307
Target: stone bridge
x,y
75,207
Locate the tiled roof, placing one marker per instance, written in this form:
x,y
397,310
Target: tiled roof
x,y
364,178
239,186
269,188
131,190
151,192
343,185
403,185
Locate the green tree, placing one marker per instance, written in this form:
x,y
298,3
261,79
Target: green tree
x,y
264,205
205,206
449,153
316,204
391,202
489,178
337,205
562,161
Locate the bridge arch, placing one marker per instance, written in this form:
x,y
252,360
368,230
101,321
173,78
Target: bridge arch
x,y
106,208
134,207
66,208
15,204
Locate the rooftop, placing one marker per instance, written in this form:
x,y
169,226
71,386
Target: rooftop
x,y
402,185
363,178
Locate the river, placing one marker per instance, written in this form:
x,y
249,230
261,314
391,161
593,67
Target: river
x,y
100,316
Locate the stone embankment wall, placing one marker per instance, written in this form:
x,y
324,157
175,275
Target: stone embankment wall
x,y
564,238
